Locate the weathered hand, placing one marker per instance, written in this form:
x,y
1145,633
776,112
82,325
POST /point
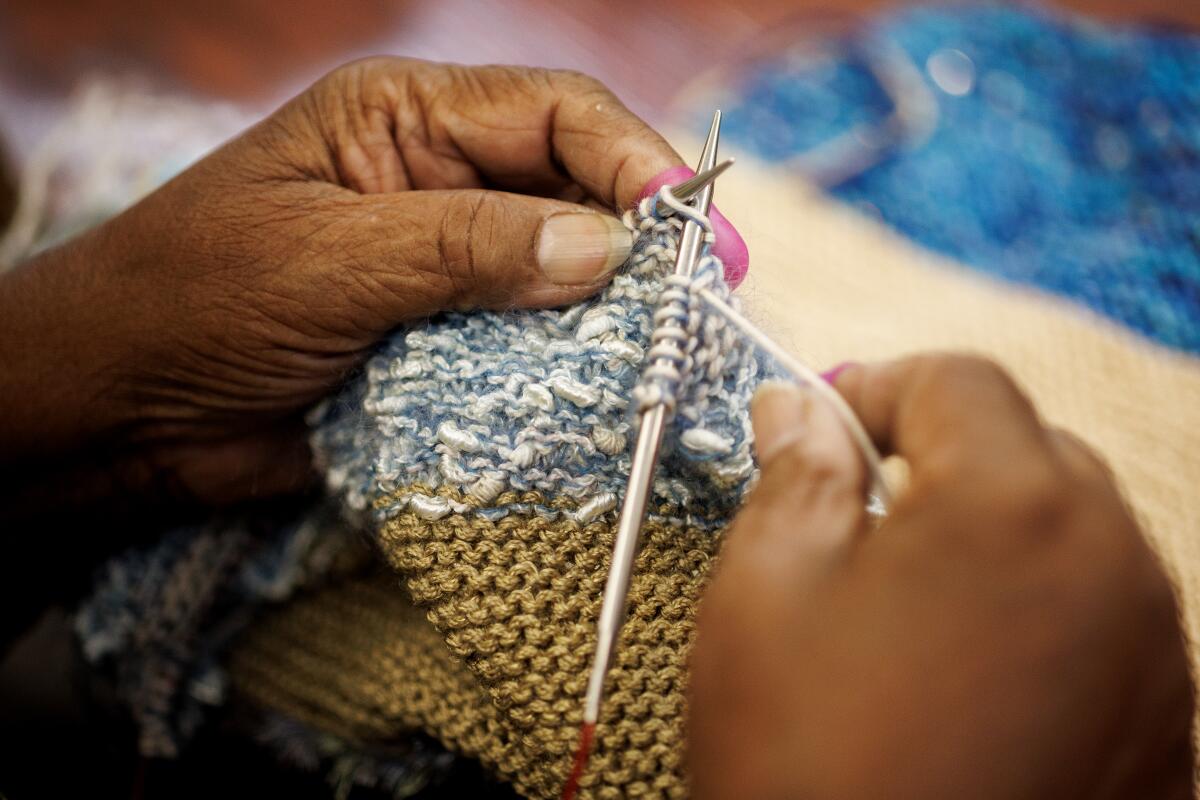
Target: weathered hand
x,y
183,340
1005,633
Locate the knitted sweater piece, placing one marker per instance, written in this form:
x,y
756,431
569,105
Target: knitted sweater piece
x,y
486,646
489,450
484,453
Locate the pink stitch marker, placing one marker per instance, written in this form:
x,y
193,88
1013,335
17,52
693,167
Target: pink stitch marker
x,y
729,245
831,375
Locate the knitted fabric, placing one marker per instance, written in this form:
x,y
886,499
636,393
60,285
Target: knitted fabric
x,y
160,617
1065,154
491,449
540,401
495,662
486,452
401,766
161,620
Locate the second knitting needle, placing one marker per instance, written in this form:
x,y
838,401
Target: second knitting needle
x,y
641,474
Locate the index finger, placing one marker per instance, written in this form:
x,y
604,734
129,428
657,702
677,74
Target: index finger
x,y
518,126
946,412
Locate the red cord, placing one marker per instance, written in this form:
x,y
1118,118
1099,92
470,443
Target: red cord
x,y
581,760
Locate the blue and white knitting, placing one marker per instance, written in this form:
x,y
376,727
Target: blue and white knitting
x,y
485,402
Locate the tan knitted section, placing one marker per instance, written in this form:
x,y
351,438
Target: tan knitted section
x,y
497,670
356,660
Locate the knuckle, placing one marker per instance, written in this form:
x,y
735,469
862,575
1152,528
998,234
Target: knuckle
x,y
961,369
822,468
582,87
480,222
1039,504
368,68
468,229
786,464
953,384
1120,561
1066,494
1156,592
342,81
800,464
1030,498
575,80
1043,500
1087,462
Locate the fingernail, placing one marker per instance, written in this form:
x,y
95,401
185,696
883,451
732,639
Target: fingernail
x,y
780,412
832,374
578,248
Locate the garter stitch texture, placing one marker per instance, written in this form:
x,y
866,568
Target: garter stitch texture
x,y
495,668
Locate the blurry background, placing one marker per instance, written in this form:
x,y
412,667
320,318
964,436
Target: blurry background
x,y
955,124
262,51
1055,145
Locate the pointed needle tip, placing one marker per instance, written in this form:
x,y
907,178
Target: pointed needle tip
x,y
709,157
686,190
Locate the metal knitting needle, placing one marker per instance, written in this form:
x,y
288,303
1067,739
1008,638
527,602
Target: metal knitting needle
x,y
645,459
684,191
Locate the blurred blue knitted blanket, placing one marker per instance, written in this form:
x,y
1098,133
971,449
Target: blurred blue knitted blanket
x,y
1066,154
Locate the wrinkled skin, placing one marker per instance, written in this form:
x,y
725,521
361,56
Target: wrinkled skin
x,y
184,339
1005,633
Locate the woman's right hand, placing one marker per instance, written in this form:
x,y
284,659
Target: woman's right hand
x,y
1005,633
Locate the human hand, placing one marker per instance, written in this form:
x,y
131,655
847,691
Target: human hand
x,y
1005,633
184,339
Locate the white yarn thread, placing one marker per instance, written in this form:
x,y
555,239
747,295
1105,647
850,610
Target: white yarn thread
x,y
674,353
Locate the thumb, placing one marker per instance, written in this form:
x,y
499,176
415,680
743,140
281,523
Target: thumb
x,y
808,507
434,250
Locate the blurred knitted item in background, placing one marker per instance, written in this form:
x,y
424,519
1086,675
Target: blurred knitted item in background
x,y
160,616
1065,153
114,143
